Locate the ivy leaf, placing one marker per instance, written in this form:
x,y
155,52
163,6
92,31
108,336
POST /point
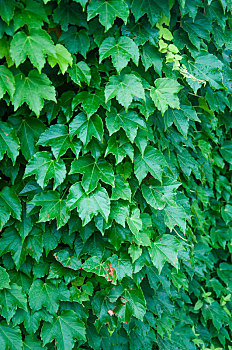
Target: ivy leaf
x,y
135,224
92,171
44,168
35,46
158,196
62,57
151,161
164,94
32,343
67,14
10,337
90,102
124,87
44,294
153,8
151,57
57,137
53,207
76,41
65,328
9,143
119,148
33,89
89,205
80,72
7,10
33,15
108,11
4,279
119,211
129,121
86,128
121,190
179,118
165,249
123,267
28,131
11,299
133,303
7,82
9,205
121,51
175,216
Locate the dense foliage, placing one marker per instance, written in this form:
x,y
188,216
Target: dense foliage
x,y
116,164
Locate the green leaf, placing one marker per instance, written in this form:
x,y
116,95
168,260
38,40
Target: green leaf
x,y
44,294
33,15
89,102
153,8
92,171
135,224
66,14
11,299
133,303
76,41
165,249
4,279
89,205
44,168
62,57
151,161
80,72
32,343
158,196
9,143
226,151
124,88
135,252
9,205
179,118
7,82
119,148
129,121
65,328
86,128
53,207
35,46
108,11
121,190
175,216
164,94
151,57
10,337
28,131
33,89
119,211
57,137
123,267
7,10
121,51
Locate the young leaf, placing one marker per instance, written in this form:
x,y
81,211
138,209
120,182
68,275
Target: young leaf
x,y
62,57
80,72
